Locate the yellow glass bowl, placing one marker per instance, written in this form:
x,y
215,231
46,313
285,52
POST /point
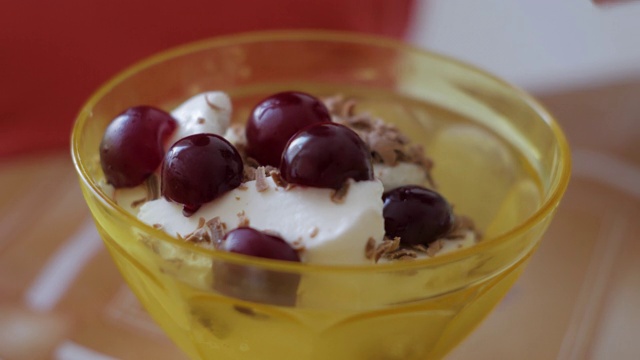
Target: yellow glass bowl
x,y
400,310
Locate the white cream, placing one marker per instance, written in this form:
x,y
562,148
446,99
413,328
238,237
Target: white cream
x,y
235,135
208,112
130,199
307,218
399,175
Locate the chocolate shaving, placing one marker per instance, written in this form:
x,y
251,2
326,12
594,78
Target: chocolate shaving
x,y
314,232
209,233
370,248
297,244
261,180
136,203
218,225
361,122
251,171
239,140
420,248
157,226
387,144
277,179
434,248
401,254
348,108
201,120
338,195
385,149
243,219
200,235
386,246
212,105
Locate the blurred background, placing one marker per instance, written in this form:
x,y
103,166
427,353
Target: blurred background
x,y
60,295
542,45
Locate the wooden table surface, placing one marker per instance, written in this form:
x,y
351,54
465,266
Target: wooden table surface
x,y
62,298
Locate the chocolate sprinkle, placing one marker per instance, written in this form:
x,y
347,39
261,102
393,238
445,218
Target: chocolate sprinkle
x,y
314,232
434,248
401,254
243,219
136,203
370,248
339,195
387,144
298,244
386,246
212,105
209,233
277,179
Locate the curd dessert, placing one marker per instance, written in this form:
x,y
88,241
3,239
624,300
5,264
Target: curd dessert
x,y
264,223
303,180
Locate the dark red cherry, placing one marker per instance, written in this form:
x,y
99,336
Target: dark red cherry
x,y
200,168
249,241
275,119
255,283
326,155
132,146
417,215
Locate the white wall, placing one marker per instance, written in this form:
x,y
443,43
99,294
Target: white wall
x,y
537,44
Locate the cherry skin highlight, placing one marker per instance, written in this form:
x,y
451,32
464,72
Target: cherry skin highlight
x,y
132,146
276,119
326,155
199,168
417,215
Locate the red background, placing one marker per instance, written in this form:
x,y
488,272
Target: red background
x,y
54,54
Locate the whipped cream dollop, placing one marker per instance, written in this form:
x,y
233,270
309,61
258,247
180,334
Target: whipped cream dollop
x,y
399,175
309,219
324,230
208,112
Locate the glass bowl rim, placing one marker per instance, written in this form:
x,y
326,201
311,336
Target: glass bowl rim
x,y
559,181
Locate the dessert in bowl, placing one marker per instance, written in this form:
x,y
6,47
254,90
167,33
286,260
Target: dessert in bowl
x,y
498,158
